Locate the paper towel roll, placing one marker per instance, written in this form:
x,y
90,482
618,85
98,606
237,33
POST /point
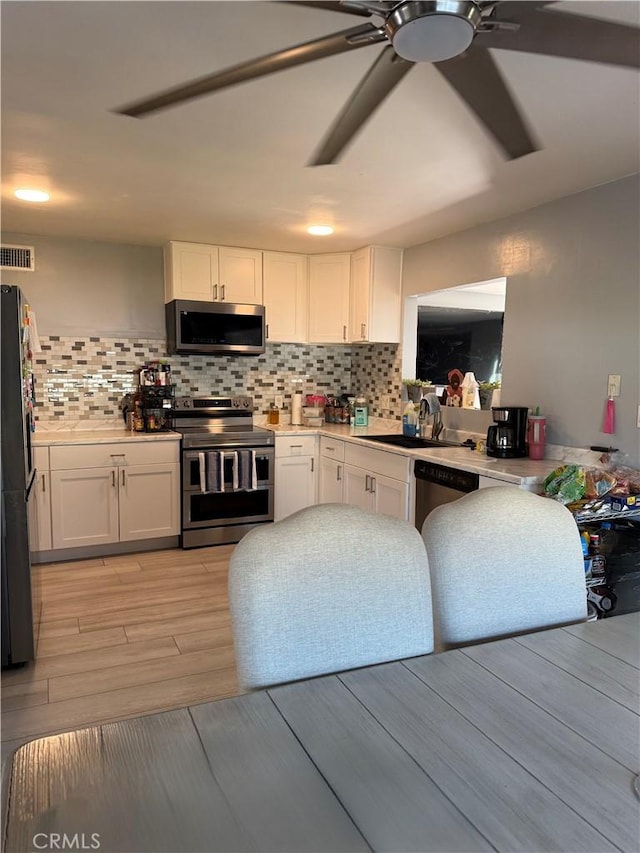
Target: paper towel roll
x,y
296,409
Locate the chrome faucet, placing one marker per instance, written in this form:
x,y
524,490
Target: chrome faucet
x,y
430,405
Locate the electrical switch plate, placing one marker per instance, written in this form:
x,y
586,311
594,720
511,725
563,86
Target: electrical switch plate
x,y
279,401
613,385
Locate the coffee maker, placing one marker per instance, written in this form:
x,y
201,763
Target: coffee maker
x,y
507,437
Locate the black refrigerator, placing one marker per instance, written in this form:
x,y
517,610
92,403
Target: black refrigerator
x,y
20,594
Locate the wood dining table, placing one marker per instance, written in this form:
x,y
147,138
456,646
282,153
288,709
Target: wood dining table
x,y
525,744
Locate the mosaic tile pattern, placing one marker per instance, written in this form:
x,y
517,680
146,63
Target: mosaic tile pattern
x,y
78,379
376,370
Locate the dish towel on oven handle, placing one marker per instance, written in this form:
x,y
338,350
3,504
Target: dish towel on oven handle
x,y
248,479
211,471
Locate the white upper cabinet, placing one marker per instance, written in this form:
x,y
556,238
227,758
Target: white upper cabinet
x,y
286,296
212,273
190,271
376,295
329,277
240,275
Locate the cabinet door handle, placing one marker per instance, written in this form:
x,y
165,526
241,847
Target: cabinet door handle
x,y
113,479
267,330
367,482
373,485
362,328
44,486
222,292
123,477
344,333
330,448
294,446
312,464
215,292
339,472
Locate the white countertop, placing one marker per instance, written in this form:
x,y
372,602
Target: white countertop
x,y
47,438
519,471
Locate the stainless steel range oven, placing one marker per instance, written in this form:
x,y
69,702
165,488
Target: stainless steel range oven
x,y
227,468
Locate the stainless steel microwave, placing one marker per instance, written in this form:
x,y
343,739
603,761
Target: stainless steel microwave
x,y
214,327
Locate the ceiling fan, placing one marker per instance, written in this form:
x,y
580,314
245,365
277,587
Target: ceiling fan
x,y
455,35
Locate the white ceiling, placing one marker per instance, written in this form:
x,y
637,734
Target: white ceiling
x,y
229,168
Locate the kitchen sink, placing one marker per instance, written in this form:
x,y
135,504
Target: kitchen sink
x,y
409,441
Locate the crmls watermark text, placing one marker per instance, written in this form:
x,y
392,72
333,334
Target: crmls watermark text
x,y
63,841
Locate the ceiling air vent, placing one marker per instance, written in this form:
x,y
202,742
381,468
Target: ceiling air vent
x,y
17,257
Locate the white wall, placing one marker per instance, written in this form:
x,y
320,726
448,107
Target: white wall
x,y
572,311
83,288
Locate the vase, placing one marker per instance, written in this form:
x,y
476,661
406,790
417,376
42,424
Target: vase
x,y
414,393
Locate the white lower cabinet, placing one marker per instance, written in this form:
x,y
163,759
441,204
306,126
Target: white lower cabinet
x,y
295,474
84,507
40,503
330,489
331,471
374,480
377,480
135,497
148,501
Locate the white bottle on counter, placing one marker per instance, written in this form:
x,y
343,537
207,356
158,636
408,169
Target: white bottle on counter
x,y
296,409
470,392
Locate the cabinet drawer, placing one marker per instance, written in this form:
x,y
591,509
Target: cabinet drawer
x,y
331,448
295,445
378,461
41,458
69,456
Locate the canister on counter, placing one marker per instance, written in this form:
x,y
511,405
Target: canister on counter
x,y
361,412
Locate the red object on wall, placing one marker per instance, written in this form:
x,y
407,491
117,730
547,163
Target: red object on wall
x,y
608,425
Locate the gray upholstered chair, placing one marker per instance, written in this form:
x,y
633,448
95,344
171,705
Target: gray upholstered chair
x,y
329,588
502,561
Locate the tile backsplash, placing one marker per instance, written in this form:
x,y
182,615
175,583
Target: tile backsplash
x,y
86,378
376,371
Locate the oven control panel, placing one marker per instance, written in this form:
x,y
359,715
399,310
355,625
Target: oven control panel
x,y
213,404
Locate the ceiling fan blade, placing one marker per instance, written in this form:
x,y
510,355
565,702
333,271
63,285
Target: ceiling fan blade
x,y
383,76
556,33
476,78
329,7
345,40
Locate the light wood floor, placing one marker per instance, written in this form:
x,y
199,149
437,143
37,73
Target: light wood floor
x,y
123,636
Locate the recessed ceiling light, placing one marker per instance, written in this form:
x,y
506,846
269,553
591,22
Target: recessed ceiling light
x,y
32,195
320,230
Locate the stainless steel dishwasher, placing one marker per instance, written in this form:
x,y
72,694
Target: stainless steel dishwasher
x,y
438,484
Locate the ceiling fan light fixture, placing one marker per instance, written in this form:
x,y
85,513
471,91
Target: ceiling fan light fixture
x,y
433,31
320,230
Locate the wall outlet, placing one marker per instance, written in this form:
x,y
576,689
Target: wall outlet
x,y
279,401
384,401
